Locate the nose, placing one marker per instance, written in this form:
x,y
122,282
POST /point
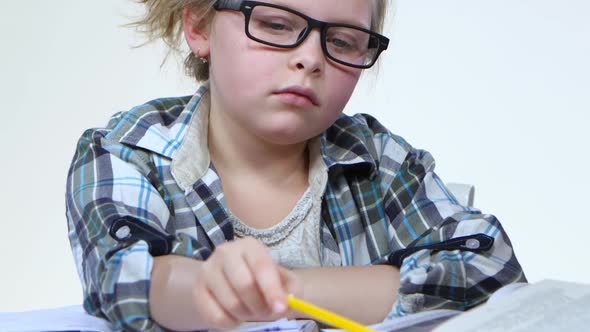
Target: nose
x,y
309,56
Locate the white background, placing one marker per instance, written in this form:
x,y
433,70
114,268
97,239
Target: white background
x,y
498,91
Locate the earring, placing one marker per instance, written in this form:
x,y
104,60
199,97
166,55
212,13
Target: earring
x,y
203,59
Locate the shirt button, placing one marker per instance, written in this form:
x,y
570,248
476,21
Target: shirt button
x,y
472,244
123,232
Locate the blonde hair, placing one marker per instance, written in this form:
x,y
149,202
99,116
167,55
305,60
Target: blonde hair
x,y
163,20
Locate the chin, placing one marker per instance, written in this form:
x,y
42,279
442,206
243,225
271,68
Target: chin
x,y
286,131
281,139
286,136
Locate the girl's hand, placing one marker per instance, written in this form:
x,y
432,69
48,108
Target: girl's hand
x,y
239,283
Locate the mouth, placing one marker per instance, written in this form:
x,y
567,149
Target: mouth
x,y
298,95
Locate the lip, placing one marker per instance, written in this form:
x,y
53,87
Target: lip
x,y
300,91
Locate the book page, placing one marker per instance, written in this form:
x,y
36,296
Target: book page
x,y
546,306
70,318
278,325
418,322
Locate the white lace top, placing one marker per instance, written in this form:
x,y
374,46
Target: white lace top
x,y
295,241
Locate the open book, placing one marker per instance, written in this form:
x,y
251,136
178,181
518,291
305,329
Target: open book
x,y
545,306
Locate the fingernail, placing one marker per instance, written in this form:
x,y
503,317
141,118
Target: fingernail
x,y
278,307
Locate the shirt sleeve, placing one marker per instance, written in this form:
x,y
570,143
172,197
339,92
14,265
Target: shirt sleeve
x,y
424,212
108,181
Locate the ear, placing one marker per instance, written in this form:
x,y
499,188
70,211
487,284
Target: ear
x,y
196,32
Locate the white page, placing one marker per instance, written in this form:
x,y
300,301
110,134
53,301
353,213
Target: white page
x,y
70,318
506,291
422,321
546,306
74,318
279,325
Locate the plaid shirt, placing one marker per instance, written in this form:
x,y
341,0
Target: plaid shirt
x,y
382,197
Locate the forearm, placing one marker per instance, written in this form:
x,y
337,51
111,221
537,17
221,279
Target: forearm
x,y
363,293
171,299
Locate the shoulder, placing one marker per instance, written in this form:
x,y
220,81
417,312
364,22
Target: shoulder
x,y
161,112
364,134
132,135
364,129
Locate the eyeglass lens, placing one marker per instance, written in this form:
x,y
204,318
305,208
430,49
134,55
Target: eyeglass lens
x,y
281,27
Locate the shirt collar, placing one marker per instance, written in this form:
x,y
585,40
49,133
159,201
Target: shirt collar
x,y
158,126
342,146
191,161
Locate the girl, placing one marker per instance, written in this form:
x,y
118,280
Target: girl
x,y
206,211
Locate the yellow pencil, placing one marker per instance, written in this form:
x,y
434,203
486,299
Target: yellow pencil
x,y
326,316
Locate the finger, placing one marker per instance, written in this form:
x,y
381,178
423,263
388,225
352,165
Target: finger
x,y
291,282
213,314
267,277
244,285
225,295
294,285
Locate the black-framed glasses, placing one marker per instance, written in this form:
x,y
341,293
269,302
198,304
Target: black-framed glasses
x,y
283,27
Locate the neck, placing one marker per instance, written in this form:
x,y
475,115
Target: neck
x,y
234,151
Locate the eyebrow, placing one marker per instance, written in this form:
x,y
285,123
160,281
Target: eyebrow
x,y
344,21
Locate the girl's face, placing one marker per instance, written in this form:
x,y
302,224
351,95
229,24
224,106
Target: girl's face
x,y
283,96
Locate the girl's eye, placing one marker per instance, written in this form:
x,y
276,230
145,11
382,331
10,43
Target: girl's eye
x,y
275,26
344,40
342,45
339,43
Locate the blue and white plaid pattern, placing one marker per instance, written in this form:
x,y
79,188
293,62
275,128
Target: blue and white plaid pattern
x,y
382,195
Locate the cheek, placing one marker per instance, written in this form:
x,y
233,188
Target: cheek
x,y
341,89
237,66
233,65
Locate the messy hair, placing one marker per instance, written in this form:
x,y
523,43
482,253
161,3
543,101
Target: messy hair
x,y
163,20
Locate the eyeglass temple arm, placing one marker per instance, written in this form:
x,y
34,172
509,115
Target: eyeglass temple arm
x,y
228,4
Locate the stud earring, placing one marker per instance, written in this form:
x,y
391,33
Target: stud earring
x,y
203,59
